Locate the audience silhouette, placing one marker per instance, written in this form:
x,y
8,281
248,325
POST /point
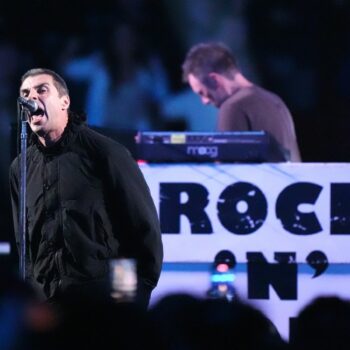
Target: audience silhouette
x,y
323,324
175,322
188,322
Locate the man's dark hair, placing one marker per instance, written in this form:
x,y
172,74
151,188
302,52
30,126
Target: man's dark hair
x,y
58,81
61,87
205,58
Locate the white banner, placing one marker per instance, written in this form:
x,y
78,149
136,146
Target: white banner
x,y
288,226
267,208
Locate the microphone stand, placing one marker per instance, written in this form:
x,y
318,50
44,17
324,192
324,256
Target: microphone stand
x,y
22,229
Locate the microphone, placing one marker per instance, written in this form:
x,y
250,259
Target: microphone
x,y
30,105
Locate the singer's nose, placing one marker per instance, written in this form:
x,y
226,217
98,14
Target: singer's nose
x,y
33,95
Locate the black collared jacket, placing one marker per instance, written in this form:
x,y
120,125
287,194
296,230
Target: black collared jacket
x,y
87,202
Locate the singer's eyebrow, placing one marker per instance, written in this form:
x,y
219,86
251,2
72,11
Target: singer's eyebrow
x,y
23,91
36,87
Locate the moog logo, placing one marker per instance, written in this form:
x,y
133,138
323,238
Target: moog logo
x,y
210,151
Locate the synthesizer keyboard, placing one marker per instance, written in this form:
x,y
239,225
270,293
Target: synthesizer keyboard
x,y
236,147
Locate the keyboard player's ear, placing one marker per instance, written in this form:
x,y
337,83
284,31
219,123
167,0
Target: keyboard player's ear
x,y
211,81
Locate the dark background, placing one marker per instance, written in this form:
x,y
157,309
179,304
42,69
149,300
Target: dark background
x,y
298,49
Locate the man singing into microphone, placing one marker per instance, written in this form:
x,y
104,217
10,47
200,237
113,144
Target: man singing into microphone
x,y
87,200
